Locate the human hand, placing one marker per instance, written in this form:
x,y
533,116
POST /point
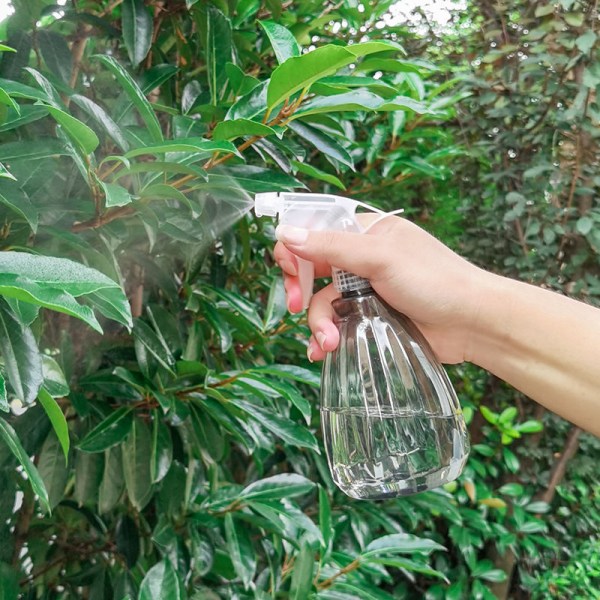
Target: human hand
x,y
410,269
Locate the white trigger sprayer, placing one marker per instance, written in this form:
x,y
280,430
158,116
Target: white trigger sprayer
x,y
317,212
391,421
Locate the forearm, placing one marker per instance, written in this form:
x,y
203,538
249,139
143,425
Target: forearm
x,y
542,343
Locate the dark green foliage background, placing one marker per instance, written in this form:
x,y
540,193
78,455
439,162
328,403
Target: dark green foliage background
x,y
132,136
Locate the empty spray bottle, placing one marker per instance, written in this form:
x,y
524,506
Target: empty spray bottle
x,y
392,424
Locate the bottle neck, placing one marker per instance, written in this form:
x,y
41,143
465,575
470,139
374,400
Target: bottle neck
x,y
357,293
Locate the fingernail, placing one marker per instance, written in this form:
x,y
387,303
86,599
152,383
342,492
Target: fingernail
x,y
295,236
287,266
321,339
309,353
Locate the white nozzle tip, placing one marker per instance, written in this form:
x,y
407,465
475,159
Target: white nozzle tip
x,y
267,204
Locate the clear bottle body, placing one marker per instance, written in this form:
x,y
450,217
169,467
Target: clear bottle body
x,y
392,424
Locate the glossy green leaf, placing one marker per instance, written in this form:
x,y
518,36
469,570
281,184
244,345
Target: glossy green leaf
x,y
511,460
276,305
137,28
18,201
284,428
153,344
228,130
33,150
135,94
8,101
3,398
56,54
79,133
160,583
529,426
323,142
53,469
88,473
115,195
414,566
282,40
103,119
128,540
512,489
325,521
162,449
136,464
109,432
285,485
302,574
239,547
251,104
7,433
22,360
189,145
57,418
113,483
315,173
400,543
300,72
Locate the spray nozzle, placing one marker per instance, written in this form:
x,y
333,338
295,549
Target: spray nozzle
x,y
317,212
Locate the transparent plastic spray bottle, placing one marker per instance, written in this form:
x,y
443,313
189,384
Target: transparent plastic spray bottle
x,y
392,424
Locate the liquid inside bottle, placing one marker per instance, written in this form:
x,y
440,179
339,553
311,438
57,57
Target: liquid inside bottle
x,y
391,421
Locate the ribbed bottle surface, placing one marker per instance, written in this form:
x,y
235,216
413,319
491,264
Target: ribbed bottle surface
x,y
391,421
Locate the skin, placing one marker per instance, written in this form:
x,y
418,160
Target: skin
x,y
544,344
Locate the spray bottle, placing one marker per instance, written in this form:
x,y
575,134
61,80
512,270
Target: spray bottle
x,y
391,421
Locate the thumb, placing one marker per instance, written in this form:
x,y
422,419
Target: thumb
x,y
358,253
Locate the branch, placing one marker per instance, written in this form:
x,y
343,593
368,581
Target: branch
x,y
560,466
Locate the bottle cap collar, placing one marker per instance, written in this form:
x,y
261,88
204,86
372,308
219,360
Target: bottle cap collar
x,y
343,281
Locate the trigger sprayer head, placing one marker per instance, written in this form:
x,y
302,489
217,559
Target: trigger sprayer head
x,y
268,204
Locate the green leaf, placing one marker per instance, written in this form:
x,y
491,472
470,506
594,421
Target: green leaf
x,y
285,485
249,105
215,31
103,119
400,543
55,382
57,418
115,195
145,336
22,360
56,53
284,428
508,414
322,142
584,225
493,575
414,566
302,574
5,48
137,27
325,522
511,461
574,19
8,101
488,415
136,464
160,583
33,150
70,276
162,449
252,179
538,507
135,94
512,489
12,441
87,478
315,173
9,579
239,547
282,40
16,199
3,399
585,42
53,469
112,484
276,305
109,432
535,526
189,145
79,133
300,72
228,130
112,303
529,426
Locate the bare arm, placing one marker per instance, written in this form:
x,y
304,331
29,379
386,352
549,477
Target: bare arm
x,y
544,344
